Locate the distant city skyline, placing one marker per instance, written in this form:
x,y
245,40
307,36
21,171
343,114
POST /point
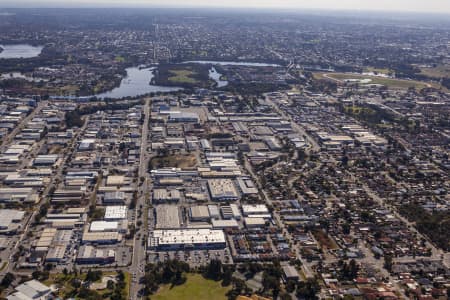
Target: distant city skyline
x,y
430,6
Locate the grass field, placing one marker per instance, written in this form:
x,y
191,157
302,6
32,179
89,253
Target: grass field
x,y
195,288
437,72
182,76
389,82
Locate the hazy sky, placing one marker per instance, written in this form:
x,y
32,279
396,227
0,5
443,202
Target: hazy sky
x,y
441,6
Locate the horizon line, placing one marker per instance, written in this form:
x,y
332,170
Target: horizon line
x,y
294,9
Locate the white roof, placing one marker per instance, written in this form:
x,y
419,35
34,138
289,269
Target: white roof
x,y
32,289
116,212
255,209
187,236
104,226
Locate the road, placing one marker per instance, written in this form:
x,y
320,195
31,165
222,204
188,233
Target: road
x,y
56,178
139,249
7,140
297,128
306,269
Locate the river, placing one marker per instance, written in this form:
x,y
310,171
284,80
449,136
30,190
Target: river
x,y
20,51
230,63
136,83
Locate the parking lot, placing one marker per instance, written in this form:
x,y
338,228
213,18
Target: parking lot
x,y
194,258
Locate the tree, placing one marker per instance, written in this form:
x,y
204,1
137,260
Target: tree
x,y
308,290
7,280
93,276
214,270
388,262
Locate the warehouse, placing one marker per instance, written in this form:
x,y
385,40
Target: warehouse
x,y
254,222
225,224
108,226
18,195
10,220
56,253
164,195
187,239
222,190
213,211
114,198
167,217
183,117
91,255
45,160
101,237
115,213
230,212
115,180
257,209
199,213
247,186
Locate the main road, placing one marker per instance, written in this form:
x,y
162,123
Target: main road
x,y
139,243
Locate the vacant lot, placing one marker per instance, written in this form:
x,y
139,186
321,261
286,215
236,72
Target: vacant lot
x,y
174,161
196,287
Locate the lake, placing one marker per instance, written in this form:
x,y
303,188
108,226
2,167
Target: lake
x,y
136,83
20,51
214,75
230,63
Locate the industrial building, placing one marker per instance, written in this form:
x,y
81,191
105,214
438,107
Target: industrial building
x,y
230,212
164,195
225,224
115,180
199,213
10,220
167,217
116,197
254,222
256,209
222,190
45,160
101,237
116,213
108,226
187,239
247,186
91,255
30,290
185,117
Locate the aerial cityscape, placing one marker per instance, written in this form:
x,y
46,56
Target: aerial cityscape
x,y
223,153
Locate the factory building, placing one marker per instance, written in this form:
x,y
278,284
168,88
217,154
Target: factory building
x,y
167,217
165,240
199,213
222,190
114,213
91,255
10,220
114,198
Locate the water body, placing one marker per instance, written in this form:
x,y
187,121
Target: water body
x,y
230,63
136,83
214,75
20,51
